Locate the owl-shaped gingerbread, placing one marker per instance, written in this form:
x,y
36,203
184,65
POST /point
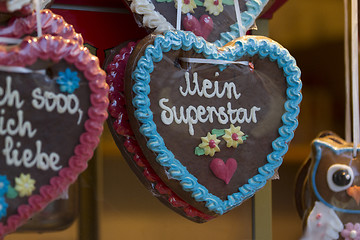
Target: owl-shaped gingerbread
x,y
328,190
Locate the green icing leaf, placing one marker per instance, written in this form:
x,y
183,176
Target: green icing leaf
x,y
244,137
11,193
199,151
218,132
199,3
228,2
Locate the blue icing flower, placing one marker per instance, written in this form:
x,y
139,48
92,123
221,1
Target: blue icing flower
x,y
4,185
68,81
3,207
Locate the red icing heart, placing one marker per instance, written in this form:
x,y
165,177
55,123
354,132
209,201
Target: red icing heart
x,y
222,170
201,28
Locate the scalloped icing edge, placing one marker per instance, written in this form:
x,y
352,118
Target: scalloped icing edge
x,y
50,24
56,48
249,45
254,8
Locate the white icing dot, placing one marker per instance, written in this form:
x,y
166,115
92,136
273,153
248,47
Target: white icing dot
x,y
18,144
217,74
1,207
2,111
353,234
1,185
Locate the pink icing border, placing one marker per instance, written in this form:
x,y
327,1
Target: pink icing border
x,y
117,109
57,48
50,24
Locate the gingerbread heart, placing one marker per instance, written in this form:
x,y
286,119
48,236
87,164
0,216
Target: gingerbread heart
x,y
185,113
53,99
161,15
119,126
51,23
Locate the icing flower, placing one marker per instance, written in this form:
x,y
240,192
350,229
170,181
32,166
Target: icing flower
x,y
214,6
4,185
68,81
187,6
351,231
3,207
233,136
210,144
25,185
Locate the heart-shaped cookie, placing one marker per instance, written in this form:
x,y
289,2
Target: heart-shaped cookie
x,y
161,15
51,23
53,99
119,126
185,111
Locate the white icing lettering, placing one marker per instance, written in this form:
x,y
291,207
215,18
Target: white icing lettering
x,y
10,97
229,88
13,127
41,160
167,120
192,115
60,102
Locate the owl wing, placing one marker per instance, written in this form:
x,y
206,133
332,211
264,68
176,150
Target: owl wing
x,y
322,223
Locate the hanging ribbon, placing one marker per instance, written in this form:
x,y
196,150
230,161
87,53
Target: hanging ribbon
x,y
213,61
347,74
38,17
355,73
238,17
17,69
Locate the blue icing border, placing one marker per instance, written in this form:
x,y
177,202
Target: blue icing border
x,y
318,146
187,40
248,18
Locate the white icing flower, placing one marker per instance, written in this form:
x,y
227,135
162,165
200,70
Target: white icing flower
x,y
210,144
233,136
24,185
214,6
187,6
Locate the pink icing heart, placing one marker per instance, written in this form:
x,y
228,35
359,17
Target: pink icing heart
x,y
201,28
223,171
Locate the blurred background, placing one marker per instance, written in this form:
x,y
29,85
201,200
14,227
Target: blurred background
x,y
313,33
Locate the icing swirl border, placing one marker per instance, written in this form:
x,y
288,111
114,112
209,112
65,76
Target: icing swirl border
x,y
249,45
55,48
150,16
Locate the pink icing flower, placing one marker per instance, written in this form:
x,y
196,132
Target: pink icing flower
x,y
351,231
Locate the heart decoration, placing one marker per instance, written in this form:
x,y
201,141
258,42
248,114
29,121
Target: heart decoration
x,y
53,104
51,23
222,170
184,114
215,20
201,28
120,129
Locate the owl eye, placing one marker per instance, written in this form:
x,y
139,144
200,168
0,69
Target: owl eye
x,y
339,177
